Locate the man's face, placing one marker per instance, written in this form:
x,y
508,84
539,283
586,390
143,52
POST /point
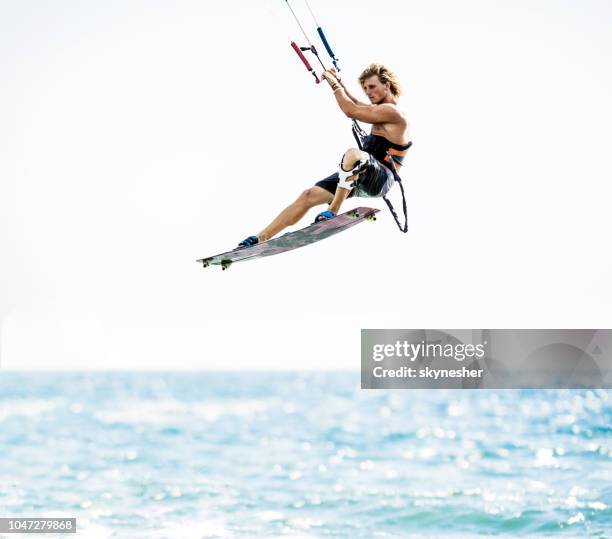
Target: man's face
x,y
375,90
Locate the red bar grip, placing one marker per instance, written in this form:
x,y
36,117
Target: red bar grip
x,y
303,58
301,55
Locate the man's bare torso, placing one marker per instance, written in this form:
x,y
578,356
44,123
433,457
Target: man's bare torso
x,y
396,132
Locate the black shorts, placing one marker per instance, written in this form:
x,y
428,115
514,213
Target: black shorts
x,y
375,181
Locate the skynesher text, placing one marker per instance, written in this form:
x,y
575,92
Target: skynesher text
x,y
427,372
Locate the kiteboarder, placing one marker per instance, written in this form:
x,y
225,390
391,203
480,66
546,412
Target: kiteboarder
x,y
366,172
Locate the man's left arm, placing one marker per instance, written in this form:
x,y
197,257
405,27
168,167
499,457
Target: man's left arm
x,y
370,114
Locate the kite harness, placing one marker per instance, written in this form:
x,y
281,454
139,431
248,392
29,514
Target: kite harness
x,y
381,148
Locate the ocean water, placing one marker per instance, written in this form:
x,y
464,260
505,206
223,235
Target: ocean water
x,y
301,455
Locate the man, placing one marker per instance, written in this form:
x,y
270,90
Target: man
x,y
364,173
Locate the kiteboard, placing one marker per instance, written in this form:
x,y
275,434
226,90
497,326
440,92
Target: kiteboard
x,y
292,240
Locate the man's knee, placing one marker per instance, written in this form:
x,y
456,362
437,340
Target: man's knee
x,y
312,196
351,157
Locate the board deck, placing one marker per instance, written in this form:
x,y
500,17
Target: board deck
x,y
292,240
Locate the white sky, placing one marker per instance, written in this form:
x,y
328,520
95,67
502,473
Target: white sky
x,y
136,137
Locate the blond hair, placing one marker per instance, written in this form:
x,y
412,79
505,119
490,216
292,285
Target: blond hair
x,y
384,75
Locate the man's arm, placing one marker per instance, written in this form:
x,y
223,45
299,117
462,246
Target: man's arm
x,y
356,110
348,94
370,114
338,80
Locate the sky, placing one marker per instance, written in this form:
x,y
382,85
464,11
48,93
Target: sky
x,y
137,137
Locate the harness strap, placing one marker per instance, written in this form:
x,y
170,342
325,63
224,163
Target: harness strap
x,y
359,135
399,181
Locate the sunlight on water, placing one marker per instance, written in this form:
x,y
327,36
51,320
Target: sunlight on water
x,y
299,455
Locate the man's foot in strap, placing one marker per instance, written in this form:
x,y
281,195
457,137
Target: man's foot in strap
x,y
248,242
324,216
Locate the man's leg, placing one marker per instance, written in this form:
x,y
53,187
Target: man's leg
x,y
311,197
349,161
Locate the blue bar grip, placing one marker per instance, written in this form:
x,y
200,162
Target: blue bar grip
x,y
329,50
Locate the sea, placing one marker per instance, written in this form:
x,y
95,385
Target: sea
x,y
300,455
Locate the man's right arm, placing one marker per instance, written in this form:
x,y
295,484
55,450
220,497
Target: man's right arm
x,y
350,96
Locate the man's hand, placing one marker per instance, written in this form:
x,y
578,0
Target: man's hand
x,y
334,73
332,79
